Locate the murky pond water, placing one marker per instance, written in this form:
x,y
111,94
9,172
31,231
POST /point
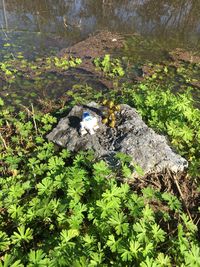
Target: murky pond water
x,y
48,23
38,28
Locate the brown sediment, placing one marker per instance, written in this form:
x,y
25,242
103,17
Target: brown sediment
x,y
95,46
182,55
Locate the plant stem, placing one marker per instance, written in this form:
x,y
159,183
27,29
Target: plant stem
x,y
4,142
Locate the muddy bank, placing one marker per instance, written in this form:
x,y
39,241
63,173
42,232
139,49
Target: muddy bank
x,y
107,43
92,47
180,70
96,45
181,55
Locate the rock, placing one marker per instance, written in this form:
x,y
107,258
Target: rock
x,y
131,136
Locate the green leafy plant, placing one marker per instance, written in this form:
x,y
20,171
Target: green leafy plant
x,y
111,67
69,209
59,209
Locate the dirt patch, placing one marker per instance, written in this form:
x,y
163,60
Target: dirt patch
x,y
95,46
182,55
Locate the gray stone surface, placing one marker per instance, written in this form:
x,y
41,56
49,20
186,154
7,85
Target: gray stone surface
x,y
131,136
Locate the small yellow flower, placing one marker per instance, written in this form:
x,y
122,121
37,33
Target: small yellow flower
x,y
117,108
110,104
112,124
104,121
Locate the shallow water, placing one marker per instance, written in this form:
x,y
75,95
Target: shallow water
x,y
38,28
42,25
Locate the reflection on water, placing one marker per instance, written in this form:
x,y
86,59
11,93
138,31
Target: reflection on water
x,y
63,22
41,27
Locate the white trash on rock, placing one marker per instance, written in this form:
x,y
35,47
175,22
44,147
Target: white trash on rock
x,y
88,124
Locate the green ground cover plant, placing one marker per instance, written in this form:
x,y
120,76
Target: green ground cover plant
x,y
59,209
64,209
10,68
112,67
168,113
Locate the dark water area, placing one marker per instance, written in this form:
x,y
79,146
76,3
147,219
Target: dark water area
x,y
47,24
43,27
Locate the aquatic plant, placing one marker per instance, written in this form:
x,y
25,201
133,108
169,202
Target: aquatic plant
x,y
14,67
112,67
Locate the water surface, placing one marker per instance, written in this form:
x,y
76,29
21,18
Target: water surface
x,y
49,23
43,27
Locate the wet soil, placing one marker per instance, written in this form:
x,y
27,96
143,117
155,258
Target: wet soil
x,y
181,55
94,46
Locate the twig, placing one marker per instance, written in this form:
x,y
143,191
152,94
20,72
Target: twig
x,y
31,113
4,32
4,142
64,22
27,110
5,14
34,121
181,194
19,31
197,221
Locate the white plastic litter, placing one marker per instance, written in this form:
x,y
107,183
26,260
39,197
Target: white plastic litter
x,y
88,124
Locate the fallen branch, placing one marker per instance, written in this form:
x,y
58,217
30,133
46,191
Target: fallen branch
x,y
34,121
182,197
4,142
